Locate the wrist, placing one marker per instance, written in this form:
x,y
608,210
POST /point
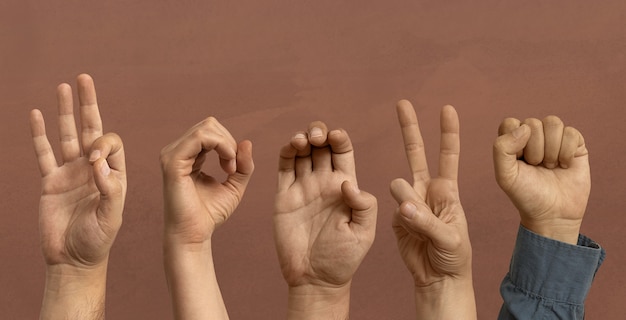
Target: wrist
x,y
175,238
186,230
318,302
450,298
192,281
72,292
561,230
76,277
181,255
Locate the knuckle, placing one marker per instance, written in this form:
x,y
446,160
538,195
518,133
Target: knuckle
x,y
68,138
456,240
570,132
342,131
507,125
396,183
317,123
499,143
373,199
511,120
115,138
552,121
533,160
210,120
208,123
164,157
533,122
414,146
196,134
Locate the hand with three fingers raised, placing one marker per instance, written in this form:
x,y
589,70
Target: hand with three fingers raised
x,y
80,211
323,224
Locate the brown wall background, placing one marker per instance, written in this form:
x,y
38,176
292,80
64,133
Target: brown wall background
x,y
268,68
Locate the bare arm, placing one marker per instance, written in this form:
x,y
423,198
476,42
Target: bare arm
x,y
80,211
195,205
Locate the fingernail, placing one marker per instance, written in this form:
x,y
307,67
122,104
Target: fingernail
x,y
233,164
316,132
299,136
550,165
105,169
519,132
95,155
409,211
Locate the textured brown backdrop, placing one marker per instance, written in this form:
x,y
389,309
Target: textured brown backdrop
x,y
268,68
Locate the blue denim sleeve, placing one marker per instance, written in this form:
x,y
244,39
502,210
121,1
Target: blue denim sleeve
x,y
549,279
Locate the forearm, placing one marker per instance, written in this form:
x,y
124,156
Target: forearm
x,y
192,281
74,293
447,299
315,302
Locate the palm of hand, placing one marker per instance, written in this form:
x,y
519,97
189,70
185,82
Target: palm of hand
x,y
71,232
323,250
219,199
430,262
544,194
202,193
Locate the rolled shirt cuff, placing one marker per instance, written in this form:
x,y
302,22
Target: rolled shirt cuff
x,y
554,270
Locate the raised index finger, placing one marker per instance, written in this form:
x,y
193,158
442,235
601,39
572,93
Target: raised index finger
x,y
413,142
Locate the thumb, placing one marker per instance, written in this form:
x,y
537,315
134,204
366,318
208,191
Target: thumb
x,y
245,167
364,205
111,191
505,150
418,219
109,172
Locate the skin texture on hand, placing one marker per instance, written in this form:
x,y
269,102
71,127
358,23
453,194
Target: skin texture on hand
x,y
323,224
430,223
82,201
195,205
543,166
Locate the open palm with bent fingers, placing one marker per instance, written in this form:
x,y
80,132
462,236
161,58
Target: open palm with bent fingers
x,y
323,224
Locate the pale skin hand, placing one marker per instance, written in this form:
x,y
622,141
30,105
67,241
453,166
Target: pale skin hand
x,y
195,205
323,224
543,166
430,223
80,210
